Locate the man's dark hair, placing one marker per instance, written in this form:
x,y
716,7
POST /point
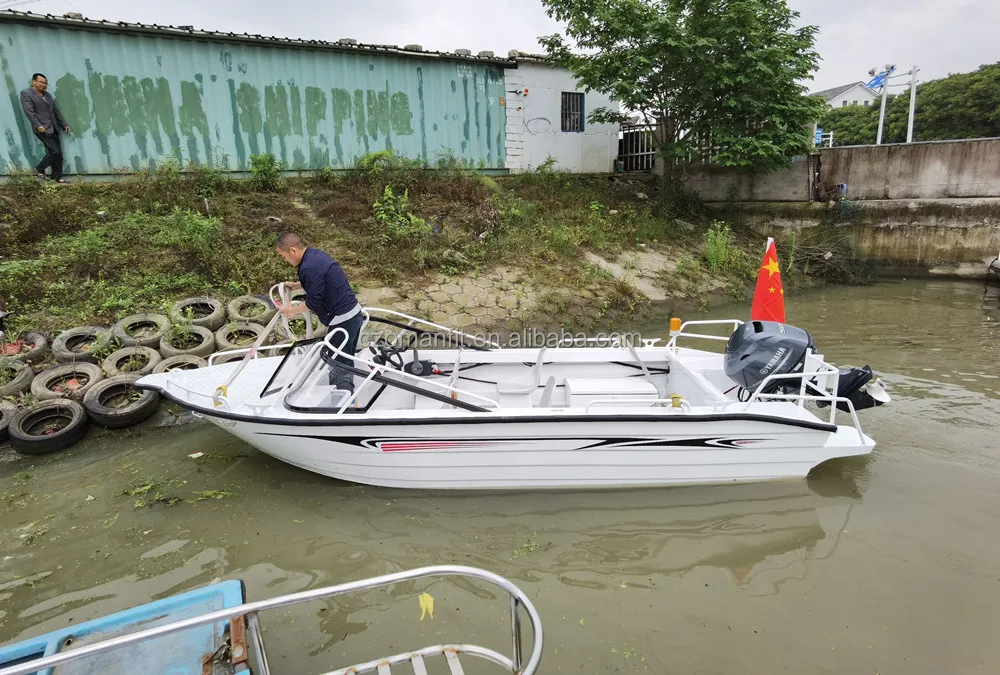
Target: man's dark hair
x,y
38,75
288,240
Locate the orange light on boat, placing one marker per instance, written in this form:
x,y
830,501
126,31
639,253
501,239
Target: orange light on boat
x,y
675,325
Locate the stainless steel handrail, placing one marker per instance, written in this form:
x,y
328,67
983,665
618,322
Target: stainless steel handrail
x,y
735,323
518,599
368,311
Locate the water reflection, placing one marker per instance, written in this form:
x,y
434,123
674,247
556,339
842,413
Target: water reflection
x,y
701,579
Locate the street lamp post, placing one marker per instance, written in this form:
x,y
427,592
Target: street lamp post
x,y
884,77
913,103
885,93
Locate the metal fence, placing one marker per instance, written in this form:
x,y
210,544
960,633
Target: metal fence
x,y
636,148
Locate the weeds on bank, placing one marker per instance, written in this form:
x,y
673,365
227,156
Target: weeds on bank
x,y
826,254
96,251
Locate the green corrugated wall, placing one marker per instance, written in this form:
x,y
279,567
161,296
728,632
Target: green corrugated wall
x,y
133,99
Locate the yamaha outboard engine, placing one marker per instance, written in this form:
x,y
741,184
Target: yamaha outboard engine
x,y
759,349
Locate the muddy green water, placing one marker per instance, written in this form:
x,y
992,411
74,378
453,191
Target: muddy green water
x,y
883,564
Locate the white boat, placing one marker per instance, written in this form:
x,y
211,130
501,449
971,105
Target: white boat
x,y
476,415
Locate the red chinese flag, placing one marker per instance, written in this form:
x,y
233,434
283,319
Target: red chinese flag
x,y
769,297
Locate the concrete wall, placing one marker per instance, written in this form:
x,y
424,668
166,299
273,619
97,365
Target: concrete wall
x,y
790,185
956,238
933,170
534,123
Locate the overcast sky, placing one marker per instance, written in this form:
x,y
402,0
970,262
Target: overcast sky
x,y
941,36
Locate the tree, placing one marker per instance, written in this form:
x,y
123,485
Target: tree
x,y
954,107
851,125
959,106
719,78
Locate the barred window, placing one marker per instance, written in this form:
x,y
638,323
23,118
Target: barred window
x,y
572,111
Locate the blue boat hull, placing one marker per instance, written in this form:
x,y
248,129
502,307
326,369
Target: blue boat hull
x,y
181,653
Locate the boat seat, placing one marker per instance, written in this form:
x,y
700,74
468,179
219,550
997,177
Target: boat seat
x,y
423,402
550,387
516,393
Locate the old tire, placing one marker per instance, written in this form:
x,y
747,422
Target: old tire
x,y
136,361
141,330
204,349
319,330
86,374
251,308
47,427
38,348
206,312
226,357
7,412
15,376
77,345
115,403
182,362
238,336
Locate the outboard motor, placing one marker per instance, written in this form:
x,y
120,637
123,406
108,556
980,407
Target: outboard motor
x,y
759,349
853,384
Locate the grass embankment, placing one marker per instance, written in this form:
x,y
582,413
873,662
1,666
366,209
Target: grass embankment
x,y
90,253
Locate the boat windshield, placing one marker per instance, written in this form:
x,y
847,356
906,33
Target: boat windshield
x,y
289,367
324,388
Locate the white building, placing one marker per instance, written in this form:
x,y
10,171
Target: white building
x,y
547,117
855,93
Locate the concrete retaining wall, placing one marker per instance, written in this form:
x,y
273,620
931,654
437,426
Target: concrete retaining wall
x,y
933,170
956,238
719,184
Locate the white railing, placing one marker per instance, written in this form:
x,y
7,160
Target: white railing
x,y
828,373
515,664
312,359
412,320
735,323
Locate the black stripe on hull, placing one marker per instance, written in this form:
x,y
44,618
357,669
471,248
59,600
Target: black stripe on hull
x,y
608,443
489,418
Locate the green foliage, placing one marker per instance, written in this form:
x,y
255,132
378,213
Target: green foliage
x,y
851,125
966,105
720,77
208,181
265,172
387,162
19,278
548,166
393,214
718,247
723,255
328,175
687,266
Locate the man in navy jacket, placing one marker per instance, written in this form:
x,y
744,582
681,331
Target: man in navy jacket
x,y
328,295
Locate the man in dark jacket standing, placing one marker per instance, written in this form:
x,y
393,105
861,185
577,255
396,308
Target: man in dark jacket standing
x,y
46,120
328,295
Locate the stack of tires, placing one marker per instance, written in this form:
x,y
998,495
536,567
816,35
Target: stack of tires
x,y
89,373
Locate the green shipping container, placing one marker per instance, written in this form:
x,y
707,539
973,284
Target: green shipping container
x,y
135,95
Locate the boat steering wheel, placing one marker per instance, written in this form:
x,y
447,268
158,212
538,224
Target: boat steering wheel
x,y
386,353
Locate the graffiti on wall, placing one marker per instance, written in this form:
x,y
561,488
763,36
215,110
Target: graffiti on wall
x,y
221,120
